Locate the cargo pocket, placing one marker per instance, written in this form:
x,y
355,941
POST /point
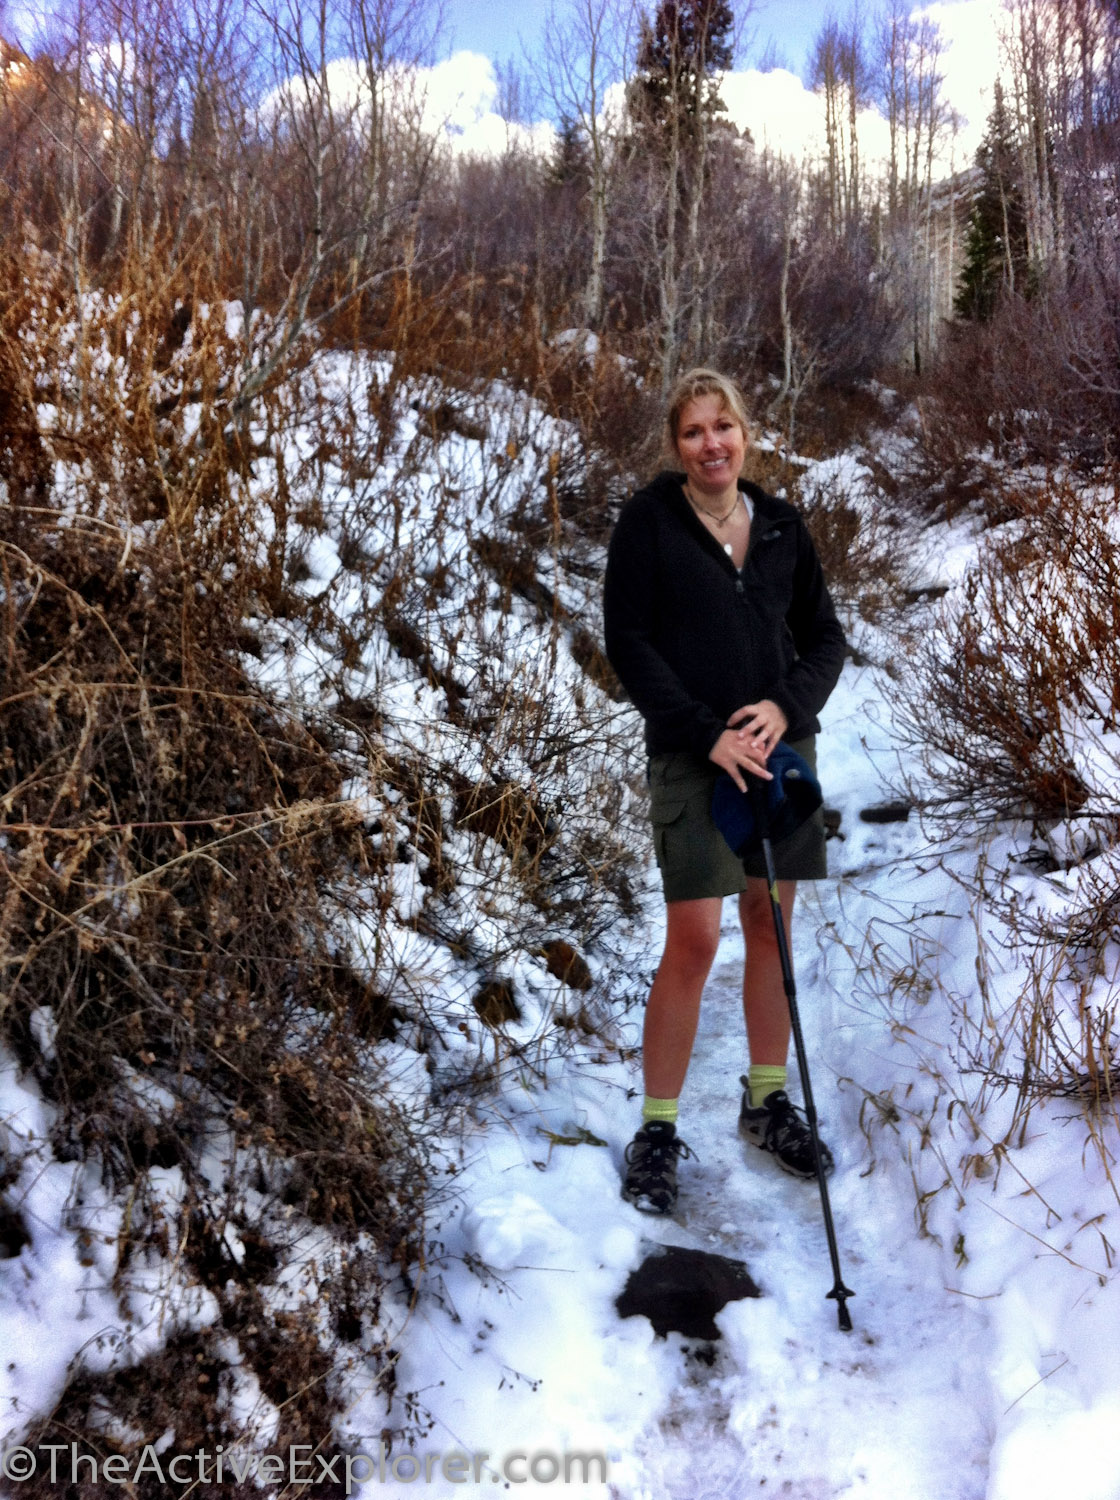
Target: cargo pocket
x,y
664,812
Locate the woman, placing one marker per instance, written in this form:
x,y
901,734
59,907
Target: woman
x,y
721,629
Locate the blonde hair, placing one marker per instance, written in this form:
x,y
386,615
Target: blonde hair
x,y
689,387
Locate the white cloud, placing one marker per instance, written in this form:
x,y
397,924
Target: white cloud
x,y
454,99
112,65
786,117
459,92
459,98
782,115
776,107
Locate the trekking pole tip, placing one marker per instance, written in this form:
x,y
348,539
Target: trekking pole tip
x,y
840,1295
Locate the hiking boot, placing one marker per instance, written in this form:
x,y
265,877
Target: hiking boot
x,y
650,1183
778,1127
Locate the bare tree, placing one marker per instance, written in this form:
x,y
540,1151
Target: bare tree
x,y
910,87
1061,58
789,202
335,225
1031,49
584,51
388,41
825,73
205,153
672,101
840,73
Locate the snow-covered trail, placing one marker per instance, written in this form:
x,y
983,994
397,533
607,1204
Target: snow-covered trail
x,y
536,1357
793,1406
982,1361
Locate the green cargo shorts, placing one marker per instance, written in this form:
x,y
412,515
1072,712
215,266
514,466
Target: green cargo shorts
x,y
692,854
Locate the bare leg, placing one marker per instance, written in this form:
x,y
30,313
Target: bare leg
x,y
673,1008
765,1008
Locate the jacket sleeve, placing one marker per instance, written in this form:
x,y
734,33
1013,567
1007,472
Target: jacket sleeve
x,y
629,621
817,637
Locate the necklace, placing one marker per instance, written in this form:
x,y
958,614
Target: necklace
x,y
703,509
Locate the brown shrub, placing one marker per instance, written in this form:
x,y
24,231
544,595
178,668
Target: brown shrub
x,y
170,834
1022,667
1034,385
24,466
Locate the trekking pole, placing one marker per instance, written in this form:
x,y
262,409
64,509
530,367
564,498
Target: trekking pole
x,y
839,1292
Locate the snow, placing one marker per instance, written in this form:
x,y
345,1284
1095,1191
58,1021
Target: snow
x,y
583,340
980,1365
791,1402
978,1240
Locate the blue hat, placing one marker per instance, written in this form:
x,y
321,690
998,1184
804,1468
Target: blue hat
x,y
785,803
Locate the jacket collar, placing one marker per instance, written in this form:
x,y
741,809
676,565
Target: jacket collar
x,y
768,508
771,515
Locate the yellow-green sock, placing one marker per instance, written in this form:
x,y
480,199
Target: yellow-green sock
x,y
659,1109
764,1079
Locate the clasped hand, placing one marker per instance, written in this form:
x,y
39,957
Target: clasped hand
x,y
750,736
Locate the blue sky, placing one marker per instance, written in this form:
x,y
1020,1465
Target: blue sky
x,y
496,26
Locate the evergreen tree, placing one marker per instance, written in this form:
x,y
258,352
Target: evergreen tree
x,y
570,162
672,101
996,246
680,53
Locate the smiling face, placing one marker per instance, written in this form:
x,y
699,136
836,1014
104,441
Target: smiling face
x,y
711,446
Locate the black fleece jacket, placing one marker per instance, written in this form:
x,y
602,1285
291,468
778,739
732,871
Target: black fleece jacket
x,y
693,639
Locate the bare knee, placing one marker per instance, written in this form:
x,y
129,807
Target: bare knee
x,y
692,956
691,940
756,912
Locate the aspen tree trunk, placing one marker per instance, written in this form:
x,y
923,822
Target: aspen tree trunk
x,y
951,264
583,48
1029,44
784,314
826,71
115,99
931,248
830,129
73,216
372,205
889,53
669,283
853,146
596,19
696,188
1008,258
694,260
593,292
